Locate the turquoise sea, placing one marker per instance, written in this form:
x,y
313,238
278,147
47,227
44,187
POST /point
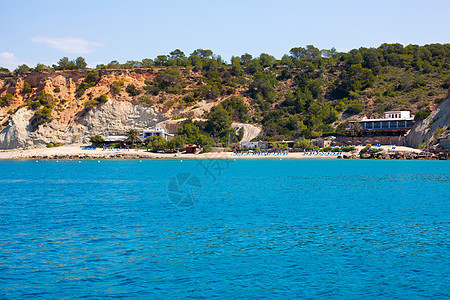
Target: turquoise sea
x,y
170,229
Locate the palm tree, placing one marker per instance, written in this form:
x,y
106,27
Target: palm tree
x,y
132,137
356,127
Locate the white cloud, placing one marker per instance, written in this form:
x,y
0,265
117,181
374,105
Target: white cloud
x,y
8,60
68,44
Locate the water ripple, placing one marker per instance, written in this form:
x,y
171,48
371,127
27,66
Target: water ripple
x,y
269,229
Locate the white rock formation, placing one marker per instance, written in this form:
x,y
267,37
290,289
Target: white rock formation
x,y
423,130
113,116
250,131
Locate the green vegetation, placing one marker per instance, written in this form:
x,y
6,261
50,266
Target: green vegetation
x,y
146,99
66,64
365,149
96,139
43,103
168,80
132,137
156,143
27,88
193,132
309,92
97,101
91,80
176,143
54,145
132,90
422,114
377,150
116,87
348,148
304,144
44,115
6,100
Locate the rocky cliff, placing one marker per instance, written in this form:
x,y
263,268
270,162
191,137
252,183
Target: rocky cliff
x,y
72,116
113,116
38,108
431,128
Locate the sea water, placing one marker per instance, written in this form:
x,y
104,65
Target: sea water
x,y
176,229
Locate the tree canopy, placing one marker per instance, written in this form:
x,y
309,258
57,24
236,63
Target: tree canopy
x,y
305,93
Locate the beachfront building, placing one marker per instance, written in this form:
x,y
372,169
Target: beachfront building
x,y
253,145
156,132
249,145
393,123
322,142
115,138
391,129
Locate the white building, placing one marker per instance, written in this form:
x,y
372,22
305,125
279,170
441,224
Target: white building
x,y
252,145
398,114
156,132
249,145
115,138
392,120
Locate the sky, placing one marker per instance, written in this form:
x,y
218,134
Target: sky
x,y
44,31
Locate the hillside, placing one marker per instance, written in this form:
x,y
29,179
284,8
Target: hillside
x,y
306,94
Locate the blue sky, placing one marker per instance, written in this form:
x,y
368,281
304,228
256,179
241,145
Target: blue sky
x,y
101,31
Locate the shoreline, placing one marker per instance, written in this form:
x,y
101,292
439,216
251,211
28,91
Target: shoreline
x,y
77,152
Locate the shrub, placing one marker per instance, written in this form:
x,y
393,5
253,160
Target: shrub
x,y
44,115
91,80
170,103
189,98
377,150
53,145
96,139
26,88
176,143
132,90
97,101
56,90
422,114
303,144
365,149
11,81
116,87
102,99
354,108
147,99
6,100
156,143
169,78
446,82
347,148
34,105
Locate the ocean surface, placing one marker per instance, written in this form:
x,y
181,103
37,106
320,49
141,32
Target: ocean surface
x,y
203,229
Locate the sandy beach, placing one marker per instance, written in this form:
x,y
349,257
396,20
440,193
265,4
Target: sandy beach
x,y
79,152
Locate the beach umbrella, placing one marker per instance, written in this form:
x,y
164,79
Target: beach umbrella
x,y
376,141
349,142
366,142
358,142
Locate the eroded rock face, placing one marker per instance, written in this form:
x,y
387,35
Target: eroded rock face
x,y
249,131
17,133
113,116
423,130
117,116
